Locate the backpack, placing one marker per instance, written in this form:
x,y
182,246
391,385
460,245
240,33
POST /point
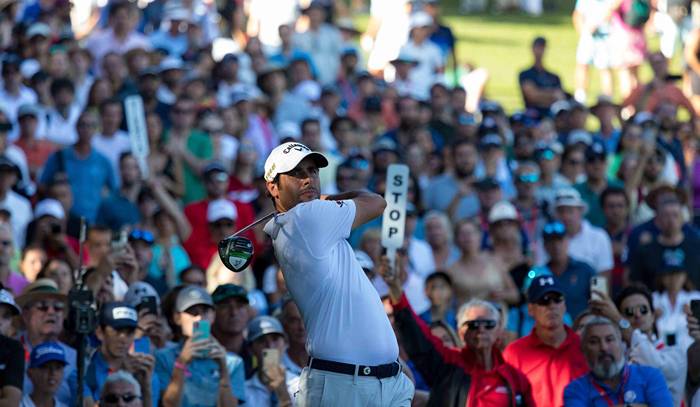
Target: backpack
x,y
638,14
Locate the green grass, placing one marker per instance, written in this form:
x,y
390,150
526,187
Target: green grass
x,y
501,44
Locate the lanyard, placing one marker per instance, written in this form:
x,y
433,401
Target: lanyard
x,y
621,390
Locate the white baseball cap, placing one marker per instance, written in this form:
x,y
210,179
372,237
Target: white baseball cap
x,y
502,210
49,207
221,209
420,19
569,197
287,156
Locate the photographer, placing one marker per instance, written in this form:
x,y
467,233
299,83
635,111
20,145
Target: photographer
x,y
271,384
198,371
116,331
48,230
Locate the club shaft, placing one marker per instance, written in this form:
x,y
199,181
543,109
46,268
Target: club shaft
x,y
252,225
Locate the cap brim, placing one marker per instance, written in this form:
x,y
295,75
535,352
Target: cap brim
x,y
28,298
319,159
551,290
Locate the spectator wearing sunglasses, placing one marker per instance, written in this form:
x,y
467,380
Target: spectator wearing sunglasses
x,y
633,312
46,368
551,355
121,389
596,181
198,371
530,208
43,312
476,372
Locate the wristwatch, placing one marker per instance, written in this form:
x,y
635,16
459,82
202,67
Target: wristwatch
x,y
624,324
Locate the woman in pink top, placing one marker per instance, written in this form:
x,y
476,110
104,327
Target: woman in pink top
x,y
632,47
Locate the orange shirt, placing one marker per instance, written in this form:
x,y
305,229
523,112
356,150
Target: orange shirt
x,y
37,152
548,369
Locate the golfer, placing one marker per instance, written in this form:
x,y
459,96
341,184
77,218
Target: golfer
x,y
352,346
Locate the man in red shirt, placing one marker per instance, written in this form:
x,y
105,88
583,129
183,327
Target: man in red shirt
x,y
472,376
551,355
216,181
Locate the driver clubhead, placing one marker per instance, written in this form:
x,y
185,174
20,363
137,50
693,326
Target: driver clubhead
x,y
236,253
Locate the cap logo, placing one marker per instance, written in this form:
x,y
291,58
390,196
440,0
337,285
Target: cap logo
x,y
270,171
195,294
295,146
45,350
546,281
124,313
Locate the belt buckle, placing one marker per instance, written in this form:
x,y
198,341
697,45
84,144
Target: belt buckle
x,y
366,370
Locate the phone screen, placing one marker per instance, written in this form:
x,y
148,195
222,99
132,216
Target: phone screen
x,y
149,303
271,358
201,330
142,345
598,284
695,308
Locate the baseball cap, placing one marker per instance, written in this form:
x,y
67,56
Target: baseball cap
x,y
487,183
502,210
287,156
595,150
49,207
579,136
542,285
643,118
45,353
568,197
263,325
213,167
420,19
226,291
221,209
491,141
190,296
39,29
118,315
138,291
559,106
171,63
28,109
553,229
7,299
7,163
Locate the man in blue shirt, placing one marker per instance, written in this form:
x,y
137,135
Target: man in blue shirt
x,y
118,322
198,372
612,381
88,171
120,210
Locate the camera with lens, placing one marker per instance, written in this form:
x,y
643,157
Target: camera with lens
x,y
82,316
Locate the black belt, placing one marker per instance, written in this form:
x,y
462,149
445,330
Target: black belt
x,y
380,372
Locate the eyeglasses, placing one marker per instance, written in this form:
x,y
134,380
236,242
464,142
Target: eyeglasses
x,y
475,324
550,298
114,398
44,306
198,310
144,235
630,311
529,178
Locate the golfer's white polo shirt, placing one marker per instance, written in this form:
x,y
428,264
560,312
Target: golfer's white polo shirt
x,y
343,314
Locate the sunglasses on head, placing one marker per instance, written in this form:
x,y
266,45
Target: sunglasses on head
x,y
528,178
139,234
475,324
114,398
44,306
554,228
549,299
630,311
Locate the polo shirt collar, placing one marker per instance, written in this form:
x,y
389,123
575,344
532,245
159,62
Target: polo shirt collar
x,y
571,340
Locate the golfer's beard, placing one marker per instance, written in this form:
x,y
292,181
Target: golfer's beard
x,y
602,372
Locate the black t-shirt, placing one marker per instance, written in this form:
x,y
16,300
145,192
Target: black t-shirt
x,y
542,79
11,363
648,261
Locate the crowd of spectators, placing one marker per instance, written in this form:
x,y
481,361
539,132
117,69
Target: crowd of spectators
x,y
510,217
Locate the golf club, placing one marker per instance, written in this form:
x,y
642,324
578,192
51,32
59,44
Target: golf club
x,y
236,251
